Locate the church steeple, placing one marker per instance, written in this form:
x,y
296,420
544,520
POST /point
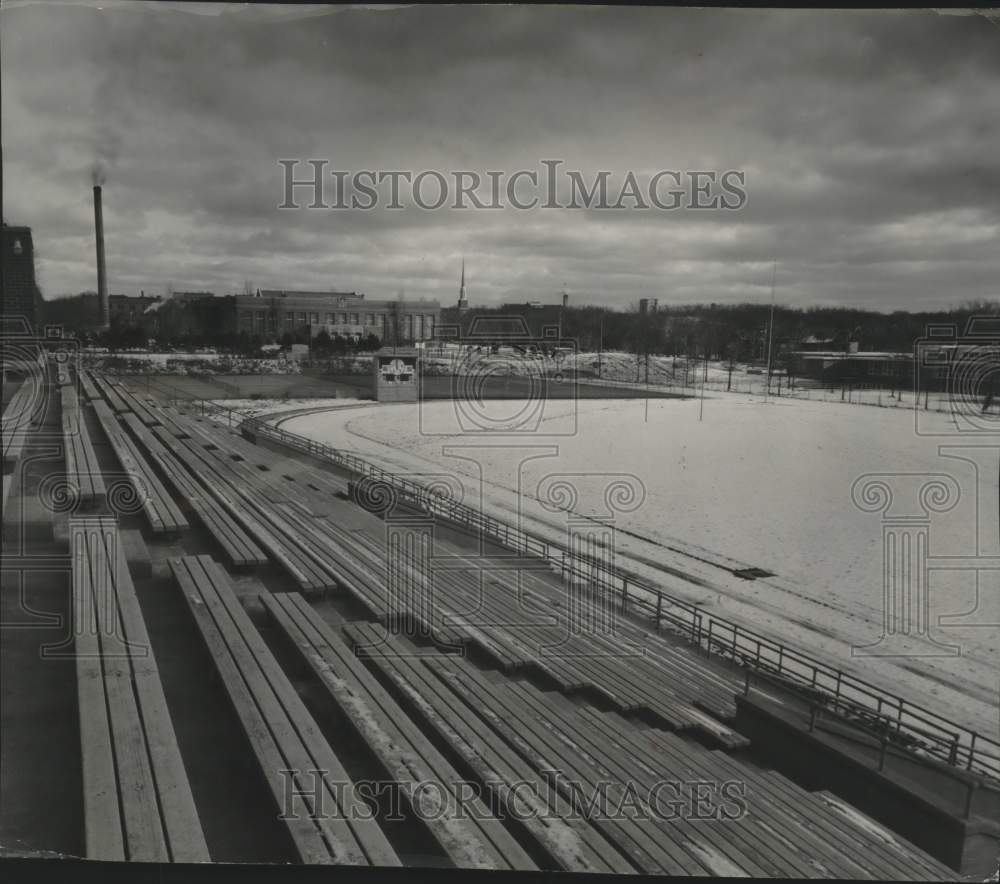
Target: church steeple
x,y
463,302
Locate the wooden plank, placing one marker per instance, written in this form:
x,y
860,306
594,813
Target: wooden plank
x,y
302,748
394,718
274,537
537,739
322,805
784,817
89,388
238,546
779,859
572,844
733,838
16,423
103,835
82,469
110,394
309,844
162,513
185,839
365,832
144,836
470,835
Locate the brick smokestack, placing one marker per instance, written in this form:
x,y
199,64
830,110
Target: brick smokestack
x,y
104,317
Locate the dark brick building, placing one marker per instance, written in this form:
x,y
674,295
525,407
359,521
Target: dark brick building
x,y
21,299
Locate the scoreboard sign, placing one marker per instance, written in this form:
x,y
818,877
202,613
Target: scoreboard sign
x,y
395,376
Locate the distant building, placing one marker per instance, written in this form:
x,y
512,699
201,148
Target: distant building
x,y
272,313
129,310
649,305
858,368
21,298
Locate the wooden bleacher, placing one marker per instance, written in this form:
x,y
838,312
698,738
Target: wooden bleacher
x,y
238,491
83,472
680,847
162,512
479,752
137,800
89,387
289,509
328,823
470,835
139,406
785,831
238,546
110,392
15,424
292,515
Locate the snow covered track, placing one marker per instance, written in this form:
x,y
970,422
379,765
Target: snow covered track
x,y
809,519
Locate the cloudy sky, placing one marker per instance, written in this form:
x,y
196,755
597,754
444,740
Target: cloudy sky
x,y
870,143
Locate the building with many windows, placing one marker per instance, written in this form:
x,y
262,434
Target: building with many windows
x,y
271,313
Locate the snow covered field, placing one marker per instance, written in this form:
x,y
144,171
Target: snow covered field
x,y
752,483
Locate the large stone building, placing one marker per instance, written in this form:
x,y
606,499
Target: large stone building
x,y
271,313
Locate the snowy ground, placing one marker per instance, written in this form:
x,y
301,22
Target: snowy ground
x,y
275,408
253,407
752,483
684,376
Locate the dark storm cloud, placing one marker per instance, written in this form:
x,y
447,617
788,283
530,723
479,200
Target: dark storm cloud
x,y
868,141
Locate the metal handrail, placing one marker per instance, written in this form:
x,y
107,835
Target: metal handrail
x,y
957,745
879,726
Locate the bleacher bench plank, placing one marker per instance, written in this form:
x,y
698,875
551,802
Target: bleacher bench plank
x,y
572,843
239,547
16,423
89,387
138,803
328,825
83,471
470,835
162,512
110,393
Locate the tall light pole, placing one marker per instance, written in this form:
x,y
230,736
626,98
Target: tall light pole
x,y
600,350
770,331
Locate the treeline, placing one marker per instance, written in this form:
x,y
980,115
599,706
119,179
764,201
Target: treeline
x,y
741,331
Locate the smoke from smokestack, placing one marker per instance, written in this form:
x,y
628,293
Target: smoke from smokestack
x,y
104,313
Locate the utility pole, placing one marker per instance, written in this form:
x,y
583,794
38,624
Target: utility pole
x,y
704,377
770,331
600,350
